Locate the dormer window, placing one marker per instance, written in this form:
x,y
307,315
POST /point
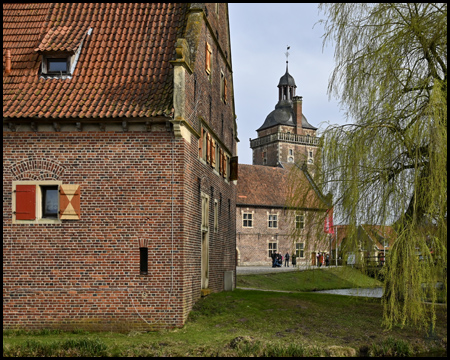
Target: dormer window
x,y
60,49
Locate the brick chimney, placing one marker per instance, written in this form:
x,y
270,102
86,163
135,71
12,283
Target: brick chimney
x,y
297,103
8,62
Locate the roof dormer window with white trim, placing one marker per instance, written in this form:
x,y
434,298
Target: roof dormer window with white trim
x,y
60,49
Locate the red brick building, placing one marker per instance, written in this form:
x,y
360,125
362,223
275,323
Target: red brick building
x,y
283,160
119,139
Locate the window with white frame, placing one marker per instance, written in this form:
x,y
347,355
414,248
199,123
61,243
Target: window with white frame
x,y
272,248
300,250
273,221
247,220
45,201
300,221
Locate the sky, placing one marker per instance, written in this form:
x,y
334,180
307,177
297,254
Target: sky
x,y
260,34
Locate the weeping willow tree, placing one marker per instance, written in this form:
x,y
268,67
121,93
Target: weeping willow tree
x,y
388,164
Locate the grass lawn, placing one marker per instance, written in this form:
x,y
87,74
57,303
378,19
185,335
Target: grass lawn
x,y
309,280
252,323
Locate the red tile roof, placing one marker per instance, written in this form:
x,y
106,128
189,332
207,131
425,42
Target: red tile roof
x,y
270,186
123,69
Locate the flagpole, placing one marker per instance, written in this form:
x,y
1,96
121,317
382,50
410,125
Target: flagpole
x,y
336,234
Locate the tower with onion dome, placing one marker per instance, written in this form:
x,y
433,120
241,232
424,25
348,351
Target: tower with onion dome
x,y
286,136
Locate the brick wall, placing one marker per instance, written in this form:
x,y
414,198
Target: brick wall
x,y
134,185
88,270
252,243
86,273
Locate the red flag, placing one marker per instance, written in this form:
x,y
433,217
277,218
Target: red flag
x,y
328,226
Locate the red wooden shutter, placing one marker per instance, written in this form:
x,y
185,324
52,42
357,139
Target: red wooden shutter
x,y
69,202
25,202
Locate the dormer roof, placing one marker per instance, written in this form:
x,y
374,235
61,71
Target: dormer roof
x,y
63,39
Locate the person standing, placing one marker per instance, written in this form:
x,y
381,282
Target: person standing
x,y
294,259
286,259
274,256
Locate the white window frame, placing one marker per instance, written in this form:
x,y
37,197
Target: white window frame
x,y
272,221
298,222
269,244
300,247
247,220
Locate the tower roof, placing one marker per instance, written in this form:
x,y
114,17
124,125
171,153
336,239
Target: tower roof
x,y
287,80
282,115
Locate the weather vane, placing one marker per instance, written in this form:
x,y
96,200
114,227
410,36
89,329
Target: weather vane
x,y
287,55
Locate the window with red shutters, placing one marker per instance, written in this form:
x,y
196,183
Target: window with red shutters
x,y
25,202
45,202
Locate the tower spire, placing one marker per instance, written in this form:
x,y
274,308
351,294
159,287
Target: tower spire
x,y
287,56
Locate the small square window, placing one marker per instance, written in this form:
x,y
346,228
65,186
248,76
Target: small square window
x,y
57,66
